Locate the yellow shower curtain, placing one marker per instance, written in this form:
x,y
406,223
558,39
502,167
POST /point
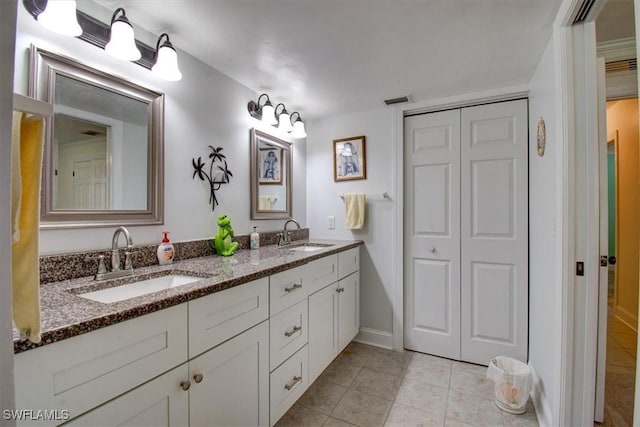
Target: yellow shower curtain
x,y
27,147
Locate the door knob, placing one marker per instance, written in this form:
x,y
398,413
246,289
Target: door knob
x,y
612,260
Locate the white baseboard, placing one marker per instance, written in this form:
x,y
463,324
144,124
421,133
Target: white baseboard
x,y
630,319
540,403
375,337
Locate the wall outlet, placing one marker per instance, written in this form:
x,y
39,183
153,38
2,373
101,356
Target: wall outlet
x,y
331,222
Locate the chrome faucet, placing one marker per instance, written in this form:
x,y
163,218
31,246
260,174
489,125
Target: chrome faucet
x,y
116,271
283,238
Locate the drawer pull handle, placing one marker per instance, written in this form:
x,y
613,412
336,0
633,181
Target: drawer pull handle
x,y
185,385
340,290
293,331
295,287
295,381
198,378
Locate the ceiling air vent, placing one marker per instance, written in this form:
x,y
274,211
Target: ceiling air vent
x,y
584,10
630,64
399,100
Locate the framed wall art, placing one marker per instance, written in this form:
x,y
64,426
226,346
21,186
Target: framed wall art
x,y
270,166
349,160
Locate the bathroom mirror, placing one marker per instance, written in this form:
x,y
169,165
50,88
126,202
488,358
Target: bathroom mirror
x,y
271,177
103,160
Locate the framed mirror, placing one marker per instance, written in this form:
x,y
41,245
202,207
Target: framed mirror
x,y
270,176
104,148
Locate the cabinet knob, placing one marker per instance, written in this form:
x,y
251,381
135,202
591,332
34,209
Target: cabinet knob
x,y
293,382
433,249
185,385
293,331
198,378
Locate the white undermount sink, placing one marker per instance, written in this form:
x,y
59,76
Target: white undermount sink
x,y
311,247
136,289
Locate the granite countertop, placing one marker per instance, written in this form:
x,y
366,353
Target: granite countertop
x,y
65,314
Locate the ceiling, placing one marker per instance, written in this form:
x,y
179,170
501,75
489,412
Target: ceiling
x,y
616,21
325,57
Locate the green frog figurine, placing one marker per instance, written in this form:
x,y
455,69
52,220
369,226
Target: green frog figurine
x,y
222,241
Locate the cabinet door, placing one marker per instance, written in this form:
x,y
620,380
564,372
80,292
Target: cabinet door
x,y
348,309
160,402
323,329
230,383
288,383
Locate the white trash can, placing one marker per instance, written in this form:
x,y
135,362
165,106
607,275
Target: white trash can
x,y
512,383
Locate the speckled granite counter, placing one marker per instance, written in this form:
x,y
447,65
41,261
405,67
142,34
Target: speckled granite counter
x,y
64,314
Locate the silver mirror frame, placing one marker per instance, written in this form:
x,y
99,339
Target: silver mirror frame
x,y
256,137
44,66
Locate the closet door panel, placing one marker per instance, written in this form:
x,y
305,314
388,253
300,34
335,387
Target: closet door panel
x,y
432,233
494,231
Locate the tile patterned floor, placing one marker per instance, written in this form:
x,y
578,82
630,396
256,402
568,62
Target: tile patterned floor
x,y
620,374
367,386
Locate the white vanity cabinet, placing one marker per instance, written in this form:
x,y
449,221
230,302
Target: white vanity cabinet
x,y
334,313
241,356
85,371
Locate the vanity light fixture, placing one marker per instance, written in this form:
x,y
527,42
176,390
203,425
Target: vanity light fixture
x,y
265,112
122,43
284,120
60,16
298,127
166,66
111,38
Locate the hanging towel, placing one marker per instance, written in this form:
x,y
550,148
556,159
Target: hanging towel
x,y
25,271
16,179
354,204
264,204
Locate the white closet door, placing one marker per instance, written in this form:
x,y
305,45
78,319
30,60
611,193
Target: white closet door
x,y
432,233
494,240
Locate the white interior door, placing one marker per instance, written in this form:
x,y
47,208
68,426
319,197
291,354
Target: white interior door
x,y
432,233
90,184
494,231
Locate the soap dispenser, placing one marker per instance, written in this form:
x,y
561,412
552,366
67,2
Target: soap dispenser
x,y
165,250
254,239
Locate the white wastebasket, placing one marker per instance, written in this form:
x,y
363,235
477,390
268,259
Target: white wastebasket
x,y
512,383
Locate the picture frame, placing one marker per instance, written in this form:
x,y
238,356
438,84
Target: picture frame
x,y
270,166
349,158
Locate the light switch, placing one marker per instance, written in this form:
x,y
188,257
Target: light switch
x,y
331,222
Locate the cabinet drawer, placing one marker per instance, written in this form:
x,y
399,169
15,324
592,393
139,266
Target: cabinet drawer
x,y
215,318
322,272
160,402
288,383
83,372
288,332
348,262
287,288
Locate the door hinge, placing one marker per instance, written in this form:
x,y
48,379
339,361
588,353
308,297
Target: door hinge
x,y
604,260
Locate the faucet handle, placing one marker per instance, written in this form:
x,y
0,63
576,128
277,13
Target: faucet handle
x,y
128,255
101,267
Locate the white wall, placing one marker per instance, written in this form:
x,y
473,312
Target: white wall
x,y
544,257
7,39
376,257
204,108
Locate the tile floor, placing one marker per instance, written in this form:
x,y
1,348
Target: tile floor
x,y
367,386
620,374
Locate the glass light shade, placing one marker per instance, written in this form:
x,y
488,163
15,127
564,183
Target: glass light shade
x,y
166,66
122,44
60,16
284,121
298,130
268,114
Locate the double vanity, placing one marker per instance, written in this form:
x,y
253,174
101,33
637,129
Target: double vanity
x,y
206,341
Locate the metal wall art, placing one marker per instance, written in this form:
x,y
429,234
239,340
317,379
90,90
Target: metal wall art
x,y
218,173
